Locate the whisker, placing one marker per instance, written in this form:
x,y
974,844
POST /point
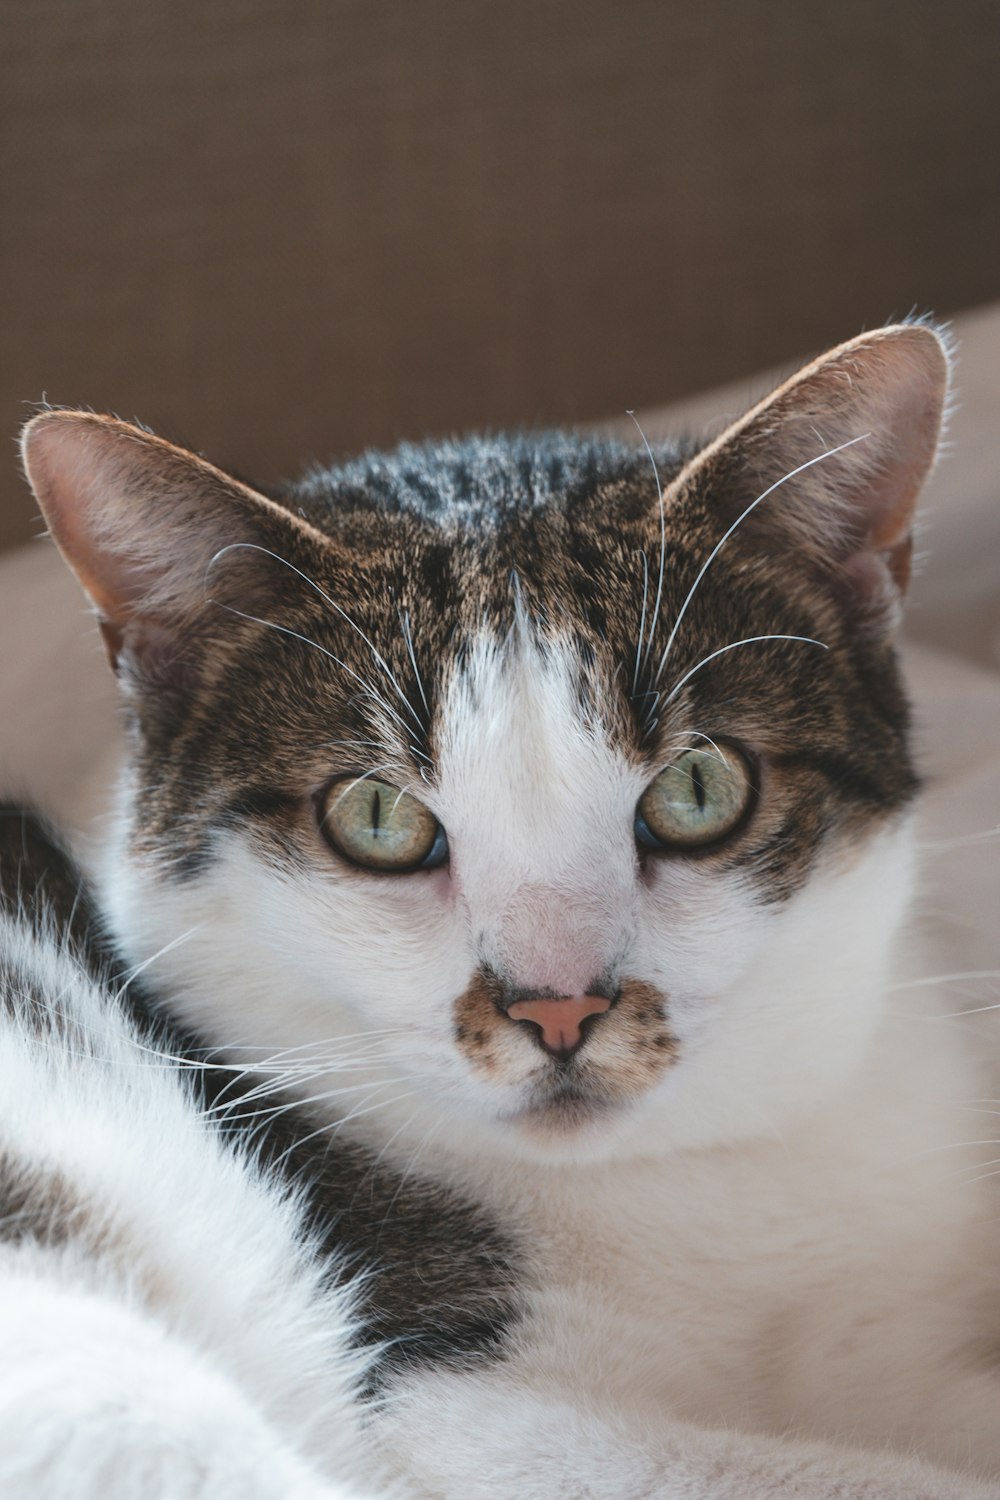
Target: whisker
x,y
273,1080
749,641
810,463
377,655
928,979
356,781
332,1125
410,1167
229,1111
404,621
961,840
642,625
663,542
329,1041
131,975
380,1156
366,687
697,734
982,1175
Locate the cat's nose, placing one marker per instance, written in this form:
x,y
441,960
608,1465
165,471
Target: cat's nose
x,y
559,1020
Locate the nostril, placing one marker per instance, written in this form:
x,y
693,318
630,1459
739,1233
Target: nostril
x,y
559,1021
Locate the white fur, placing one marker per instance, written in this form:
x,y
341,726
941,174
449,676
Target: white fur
x,y
766,1277
181,1341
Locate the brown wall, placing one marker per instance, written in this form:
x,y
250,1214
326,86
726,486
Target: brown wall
x,y
282,229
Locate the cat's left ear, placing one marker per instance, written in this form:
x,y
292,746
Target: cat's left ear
x,y
831,465
161,540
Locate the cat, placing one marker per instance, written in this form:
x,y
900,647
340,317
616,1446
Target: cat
x,y
476,1074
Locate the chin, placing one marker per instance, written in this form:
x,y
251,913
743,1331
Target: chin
x,y
571,1124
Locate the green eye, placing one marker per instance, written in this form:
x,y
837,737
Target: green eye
x,y
698,799
378,826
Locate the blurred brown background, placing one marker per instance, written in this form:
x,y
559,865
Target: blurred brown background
x,y
283,229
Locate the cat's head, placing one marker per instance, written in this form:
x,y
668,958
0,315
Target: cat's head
x,y
545,787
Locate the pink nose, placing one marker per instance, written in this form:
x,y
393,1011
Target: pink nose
x,y
560,1020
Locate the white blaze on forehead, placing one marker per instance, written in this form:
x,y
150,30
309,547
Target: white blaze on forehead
x,y
539,809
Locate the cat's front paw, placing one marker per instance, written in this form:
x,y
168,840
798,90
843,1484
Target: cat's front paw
x,y
98,1401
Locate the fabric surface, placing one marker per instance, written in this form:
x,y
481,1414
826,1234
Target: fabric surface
x,y
59,740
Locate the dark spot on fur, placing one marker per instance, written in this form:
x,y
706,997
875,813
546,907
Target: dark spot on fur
x,y
37,1203
440,1275
41,884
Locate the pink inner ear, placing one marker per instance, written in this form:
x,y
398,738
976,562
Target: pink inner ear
x,y
137,518
876,583
899,561
75,469
71,462
888,499
839,453
888,508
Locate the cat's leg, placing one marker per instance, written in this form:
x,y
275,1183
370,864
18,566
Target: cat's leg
x,y
98,1402
490,1437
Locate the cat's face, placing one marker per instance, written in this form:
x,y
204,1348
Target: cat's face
x,y
504,796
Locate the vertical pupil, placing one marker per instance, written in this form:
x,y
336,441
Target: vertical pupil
x,y
376,812
699,785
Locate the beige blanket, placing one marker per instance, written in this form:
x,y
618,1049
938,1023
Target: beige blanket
x,y
59,740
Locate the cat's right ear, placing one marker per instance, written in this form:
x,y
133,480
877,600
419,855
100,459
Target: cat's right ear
x,y
159,538
827,469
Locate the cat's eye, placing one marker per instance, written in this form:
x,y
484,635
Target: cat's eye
x,y
698,799
376,825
